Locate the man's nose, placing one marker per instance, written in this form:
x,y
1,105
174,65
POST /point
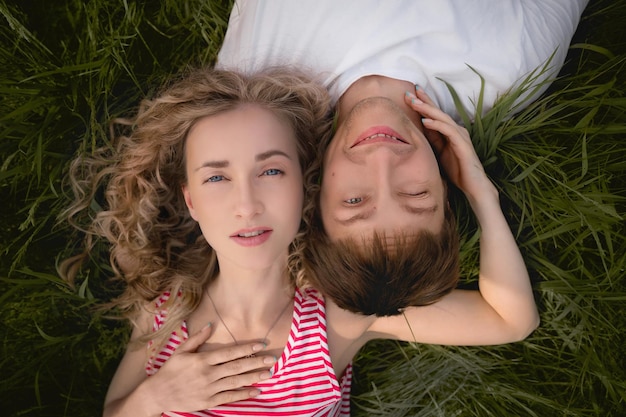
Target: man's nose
x,y
381,163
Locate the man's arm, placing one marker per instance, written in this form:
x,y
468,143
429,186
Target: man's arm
x,y
503,310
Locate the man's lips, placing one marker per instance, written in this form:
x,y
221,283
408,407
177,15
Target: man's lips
x,y
252,237
379,134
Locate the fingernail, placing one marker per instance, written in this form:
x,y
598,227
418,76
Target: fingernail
x,y
208,325
265,375
411,96
269,360
417,87
258,347
254,392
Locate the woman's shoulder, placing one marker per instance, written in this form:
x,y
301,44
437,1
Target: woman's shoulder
x,y
142,322
151,315
350,324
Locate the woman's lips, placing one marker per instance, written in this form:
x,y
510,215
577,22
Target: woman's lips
x,y
251,237
378,134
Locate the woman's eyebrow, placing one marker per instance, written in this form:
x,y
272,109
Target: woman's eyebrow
x,y
268,154
260,157
213,164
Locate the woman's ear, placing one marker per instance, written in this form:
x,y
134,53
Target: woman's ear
x,y
189,202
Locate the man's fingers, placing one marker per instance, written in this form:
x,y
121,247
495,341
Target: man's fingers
x,y
427,108
457,135
421,94
436,139
441,127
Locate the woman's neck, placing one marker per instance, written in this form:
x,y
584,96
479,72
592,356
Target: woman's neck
x,y
251,293
246,306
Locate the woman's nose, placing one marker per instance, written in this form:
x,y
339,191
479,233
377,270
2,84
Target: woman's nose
x,y
247,204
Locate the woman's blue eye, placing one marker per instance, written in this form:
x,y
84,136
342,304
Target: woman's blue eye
x,y
354,200
273,171
215,178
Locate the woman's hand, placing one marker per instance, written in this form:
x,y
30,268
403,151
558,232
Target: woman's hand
x,y
454,149
192,380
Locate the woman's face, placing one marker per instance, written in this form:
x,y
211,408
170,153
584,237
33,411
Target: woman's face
x,y
380,173
244,185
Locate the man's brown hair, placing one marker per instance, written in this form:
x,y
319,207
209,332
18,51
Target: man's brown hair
x,y
381,276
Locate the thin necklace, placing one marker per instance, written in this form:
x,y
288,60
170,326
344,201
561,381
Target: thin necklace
x,y
219,316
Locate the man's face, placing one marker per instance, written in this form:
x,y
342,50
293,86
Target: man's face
x,y
380,174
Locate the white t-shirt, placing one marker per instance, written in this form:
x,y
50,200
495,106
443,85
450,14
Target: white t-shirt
x,y
420,41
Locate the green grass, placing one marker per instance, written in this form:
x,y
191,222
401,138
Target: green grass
x,y
70,66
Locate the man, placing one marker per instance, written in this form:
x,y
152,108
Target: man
x,y
384,223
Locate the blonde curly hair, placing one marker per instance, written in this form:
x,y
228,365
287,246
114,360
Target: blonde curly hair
x,y
156,246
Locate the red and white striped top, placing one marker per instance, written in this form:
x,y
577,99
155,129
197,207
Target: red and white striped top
x,y
303,381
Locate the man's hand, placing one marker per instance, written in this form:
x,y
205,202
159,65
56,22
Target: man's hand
x,y
454,149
